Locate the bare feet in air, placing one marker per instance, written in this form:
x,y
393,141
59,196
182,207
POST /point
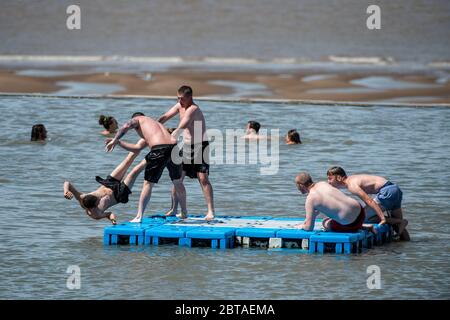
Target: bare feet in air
x,y
209,216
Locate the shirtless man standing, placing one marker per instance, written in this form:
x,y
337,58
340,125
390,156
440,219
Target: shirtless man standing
x,y
344,214
388,197
112,191
195,147
154,135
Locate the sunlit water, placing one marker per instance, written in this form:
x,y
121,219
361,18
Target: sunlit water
x,y
42,233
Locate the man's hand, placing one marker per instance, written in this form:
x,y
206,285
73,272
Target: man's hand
x,y
382,222
67,194
110,144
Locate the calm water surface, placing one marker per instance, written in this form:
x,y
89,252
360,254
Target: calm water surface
x,y
411,30
42,233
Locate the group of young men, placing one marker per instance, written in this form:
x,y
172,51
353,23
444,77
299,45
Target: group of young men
x,y
344,214
164,153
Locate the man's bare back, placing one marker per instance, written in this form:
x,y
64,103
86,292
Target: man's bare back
x,y
153,132
333,203
105,200
370,184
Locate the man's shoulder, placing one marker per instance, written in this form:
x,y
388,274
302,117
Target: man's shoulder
x,y
195,107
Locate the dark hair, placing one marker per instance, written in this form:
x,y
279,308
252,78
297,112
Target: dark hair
x,y
38,132
254,125
186,91
89,201
137,114
294,136
170,130
304,179
336,171
106,121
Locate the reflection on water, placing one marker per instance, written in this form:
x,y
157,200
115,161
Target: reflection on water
x,y
43,233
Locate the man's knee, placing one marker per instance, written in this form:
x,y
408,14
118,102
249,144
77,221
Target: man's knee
x,y
178,183
203,179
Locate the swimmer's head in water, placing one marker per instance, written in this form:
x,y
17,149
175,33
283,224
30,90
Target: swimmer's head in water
x,y
109,123
303,181
38,133
253,125
137,114
89,201
293,137
336,176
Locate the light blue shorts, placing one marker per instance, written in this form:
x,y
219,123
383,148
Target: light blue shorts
x,y
390,196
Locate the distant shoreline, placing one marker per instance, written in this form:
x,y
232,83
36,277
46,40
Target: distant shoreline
x,y
364,84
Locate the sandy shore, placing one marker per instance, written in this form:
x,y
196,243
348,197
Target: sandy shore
x,y
352,85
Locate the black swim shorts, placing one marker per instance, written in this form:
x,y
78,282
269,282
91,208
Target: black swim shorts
x,y
120,189
159,158
196,159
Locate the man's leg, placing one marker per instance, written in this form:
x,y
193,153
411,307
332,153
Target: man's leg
x,y
119,172
181,196
174,209
208,193
131,177
143,200
397,215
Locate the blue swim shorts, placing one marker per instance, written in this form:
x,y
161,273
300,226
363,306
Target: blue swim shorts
x,y
390,196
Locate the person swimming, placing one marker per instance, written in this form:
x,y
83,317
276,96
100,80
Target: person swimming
x,y
293,137
109,123
38,133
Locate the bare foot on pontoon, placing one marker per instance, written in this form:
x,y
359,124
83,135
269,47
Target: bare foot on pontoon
x,y
136,220
171,213
209,216
182,215
371,228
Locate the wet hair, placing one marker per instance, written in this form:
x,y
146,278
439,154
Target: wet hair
x,y
106,121
294,136
137,114
185,91
38,132
170,130
336,171
254,125
89,201
304,179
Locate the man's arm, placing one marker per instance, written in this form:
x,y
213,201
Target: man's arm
x,y
311,214
136,148
169,114
356,190
187,118
131,124
70,191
